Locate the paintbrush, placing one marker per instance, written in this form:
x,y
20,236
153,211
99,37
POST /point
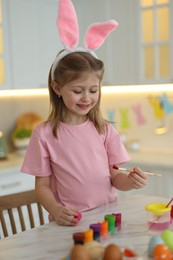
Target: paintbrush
x,y
169,203
131,170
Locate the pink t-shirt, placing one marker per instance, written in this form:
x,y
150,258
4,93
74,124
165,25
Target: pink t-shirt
x,y
77,161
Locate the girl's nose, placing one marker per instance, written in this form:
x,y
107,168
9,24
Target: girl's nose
x,y
85,96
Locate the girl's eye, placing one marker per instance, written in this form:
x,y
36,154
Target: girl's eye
x,y
77,91
93,91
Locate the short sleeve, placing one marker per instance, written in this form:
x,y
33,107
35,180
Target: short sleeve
x,y
37,161
116,152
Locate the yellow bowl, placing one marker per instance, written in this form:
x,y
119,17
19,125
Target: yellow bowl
x,y
157,208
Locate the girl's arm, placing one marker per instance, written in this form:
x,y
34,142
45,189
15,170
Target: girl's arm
x,y
63,215
124,182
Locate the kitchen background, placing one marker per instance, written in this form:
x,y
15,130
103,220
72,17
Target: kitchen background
x,y
138,116
138,59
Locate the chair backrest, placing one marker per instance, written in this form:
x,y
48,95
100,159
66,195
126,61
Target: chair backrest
x,y
19,212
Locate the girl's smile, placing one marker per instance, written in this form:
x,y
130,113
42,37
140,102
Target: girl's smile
x,y
84,106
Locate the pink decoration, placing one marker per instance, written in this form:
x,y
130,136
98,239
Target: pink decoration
x,y
67,24
140,118
97,33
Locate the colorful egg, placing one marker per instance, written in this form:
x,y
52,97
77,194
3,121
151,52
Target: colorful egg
x,y
112,252
162,252
167,237
154,241
79,216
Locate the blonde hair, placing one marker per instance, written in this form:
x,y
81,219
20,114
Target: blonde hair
x,y
70,68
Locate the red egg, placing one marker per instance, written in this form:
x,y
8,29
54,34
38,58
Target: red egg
x,y
161,252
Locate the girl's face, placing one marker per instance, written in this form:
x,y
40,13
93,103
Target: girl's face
x,y
79,97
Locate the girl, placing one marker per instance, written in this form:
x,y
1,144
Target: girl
x,y
72,154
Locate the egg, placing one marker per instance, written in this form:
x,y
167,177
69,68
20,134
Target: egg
x,y
167,237
79,252
155,240
79,216
95,250
162,252
112,252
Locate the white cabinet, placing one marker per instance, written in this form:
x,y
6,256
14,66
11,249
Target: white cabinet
x,y
11,181
32,41
11,178
119,50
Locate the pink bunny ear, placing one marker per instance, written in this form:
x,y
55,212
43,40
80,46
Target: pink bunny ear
x,y
67,24
97,33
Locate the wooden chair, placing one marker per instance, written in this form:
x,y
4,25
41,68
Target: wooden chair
x,y
21,205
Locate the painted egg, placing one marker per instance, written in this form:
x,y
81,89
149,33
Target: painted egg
x,y
79,252
112,252
155,240
162,252
95,250
167,237
79,216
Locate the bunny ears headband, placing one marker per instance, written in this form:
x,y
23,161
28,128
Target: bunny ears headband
x,y
68,29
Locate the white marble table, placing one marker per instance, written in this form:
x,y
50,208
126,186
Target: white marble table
x,y
52,242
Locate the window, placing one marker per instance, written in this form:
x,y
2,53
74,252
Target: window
x,y
155,40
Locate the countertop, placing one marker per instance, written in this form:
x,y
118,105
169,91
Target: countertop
x,y
152,157
13,162
52,241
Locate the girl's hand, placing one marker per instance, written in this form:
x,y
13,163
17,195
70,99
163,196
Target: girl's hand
x,y
138,178
66,216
